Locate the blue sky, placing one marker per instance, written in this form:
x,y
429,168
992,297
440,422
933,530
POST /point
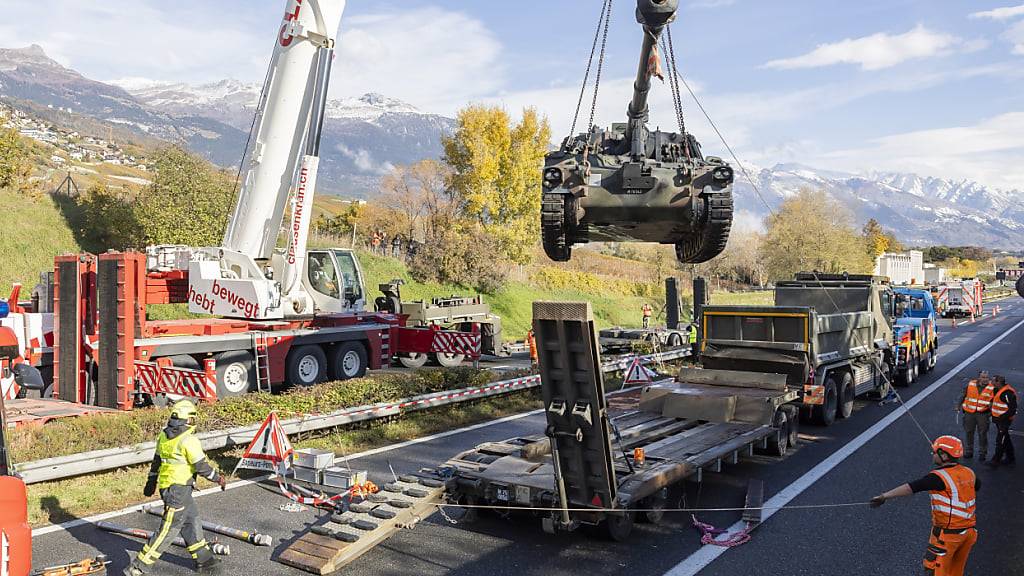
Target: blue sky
x,y
932,86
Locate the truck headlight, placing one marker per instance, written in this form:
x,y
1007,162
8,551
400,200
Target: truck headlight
x,y
723,174
552,178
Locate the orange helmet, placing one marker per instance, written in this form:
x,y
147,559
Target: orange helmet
x,y
950,445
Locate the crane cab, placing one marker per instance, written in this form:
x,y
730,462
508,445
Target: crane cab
x,y
334,280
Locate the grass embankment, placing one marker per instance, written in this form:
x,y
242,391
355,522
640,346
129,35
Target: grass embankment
x,y
615,301
34,231
55,502
756,298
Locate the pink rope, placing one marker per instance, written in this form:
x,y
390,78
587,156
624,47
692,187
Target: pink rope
x,y
710,534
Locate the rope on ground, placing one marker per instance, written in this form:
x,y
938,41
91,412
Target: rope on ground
x,y
710,534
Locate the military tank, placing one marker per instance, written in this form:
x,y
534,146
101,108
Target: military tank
x,y
629,184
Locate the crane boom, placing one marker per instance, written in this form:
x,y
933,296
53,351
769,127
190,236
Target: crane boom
x,y
244,277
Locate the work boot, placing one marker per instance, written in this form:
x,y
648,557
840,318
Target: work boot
x,y
210,565
132,571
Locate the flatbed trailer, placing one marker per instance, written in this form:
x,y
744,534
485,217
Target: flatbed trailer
x,y
603,456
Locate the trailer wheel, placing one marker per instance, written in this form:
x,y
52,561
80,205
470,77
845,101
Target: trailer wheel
x,y
236,373
846,396
654,507
675,340
413,360
306,365
825,414
778,444
793,413
447,360
619,526
348,360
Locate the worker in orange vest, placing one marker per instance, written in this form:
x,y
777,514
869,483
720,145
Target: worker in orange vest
x,y
951,487
1004,408
976,402
647,311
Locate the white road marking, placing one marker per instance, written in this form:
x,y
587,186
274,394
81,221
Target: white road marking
x,y
241,483
709,552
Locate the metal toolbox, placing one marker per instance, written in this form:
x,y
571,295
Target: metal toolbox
x,y
343,477
307,474
313,458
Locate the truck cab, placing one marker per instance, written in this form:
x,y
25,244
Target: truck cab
x,y
334,280
915,334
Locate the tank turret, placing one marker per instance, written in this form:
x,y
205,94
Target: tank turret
x,y
629,184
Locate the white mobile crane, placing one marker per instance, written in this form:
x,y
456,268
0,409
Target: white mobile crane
x,y
246,277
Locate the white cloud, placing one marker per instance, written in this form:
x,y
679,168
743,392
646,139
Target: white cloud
x,y
1016,36
877,51
435,59
990,151
365,161
1004,13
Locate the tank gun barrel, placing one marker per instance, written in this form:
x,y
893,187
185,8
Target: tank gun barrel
x,y
653,15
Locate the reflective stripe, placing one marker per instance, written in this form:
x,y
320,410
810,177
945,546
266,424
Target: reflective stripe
x,y
998,406
164,529
978,400
953,511
942,499
197,546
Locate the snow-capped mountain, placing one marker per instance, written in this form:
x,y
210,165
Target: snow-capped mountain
x,y
920,209
364,137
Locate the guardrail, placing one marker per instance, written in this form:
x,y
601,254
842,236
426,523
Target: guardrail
x,y
61,467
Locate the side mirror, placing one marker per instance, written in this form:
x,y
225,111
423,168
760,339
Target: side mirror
x,y
27,376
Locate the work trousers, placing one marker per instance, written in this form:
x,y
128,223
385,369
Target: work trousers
x,y
1004,446
647,321
180,516
976,421
948,550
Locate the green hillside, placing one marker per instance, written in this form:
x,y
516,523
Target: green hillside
x,y
34,231
514,301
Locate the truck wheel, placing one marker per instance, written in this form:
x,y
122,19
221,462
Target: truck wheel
x,y
906,376
413,360
778,443
929,361
306,365
348,360
884,379
236,373
915,367
846,395
618,527
654,506
447,360
825,414
675,340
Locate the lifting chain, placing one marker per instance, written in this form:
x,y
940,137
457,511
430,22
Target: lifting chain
x,y
602,25
673,82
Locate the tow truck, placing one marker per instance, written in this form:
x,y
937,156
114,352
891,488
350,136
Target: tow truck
x,y
267,316
915,334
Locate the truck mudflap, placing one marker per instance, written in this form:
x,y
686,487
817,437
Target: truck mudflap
x,y
161,377
814,394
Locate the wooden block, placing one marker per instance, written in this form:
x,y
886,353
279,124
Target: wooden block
x,y
754,501
652,398
764,381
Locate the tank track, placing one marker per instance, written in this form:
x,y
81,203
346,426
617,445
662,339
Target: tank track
x,y
713,231
554,227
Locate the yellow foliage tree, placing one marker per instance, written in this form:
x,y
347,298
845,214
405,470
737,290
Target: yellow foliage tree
x,y
496,174
811,231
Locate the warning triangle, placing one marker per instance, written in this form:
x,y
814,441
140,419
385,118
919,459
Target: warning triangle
x,y
638,374
269,449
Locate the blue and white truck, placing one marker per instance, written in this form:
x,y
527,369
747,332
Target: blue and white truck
x,y
915,334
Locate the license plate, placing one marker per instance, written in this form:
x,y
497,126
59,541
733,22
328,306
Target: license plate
x,y
501,494
523,494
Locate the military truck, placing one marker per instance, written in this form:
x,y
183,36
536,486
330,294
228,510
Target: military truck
x,y
915,334
830,334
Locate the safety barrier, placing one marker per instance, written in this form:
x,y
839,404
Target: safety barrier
x,y
102,460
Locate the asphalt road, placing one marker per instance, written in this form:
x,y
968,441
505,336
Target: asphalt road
x,y
820,542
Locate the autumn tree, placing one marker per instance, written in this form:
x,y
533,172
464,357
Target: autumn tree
x,y
14,164
419,195
811,231
495,166
188,202
109,219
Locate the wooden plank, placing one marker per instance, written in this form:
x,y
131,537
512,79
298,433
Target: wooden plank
x,y
307,546
311,564
754,501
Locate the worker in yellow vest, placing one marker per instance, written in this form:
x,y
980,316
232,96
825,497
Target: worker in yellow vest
x,y
647,311
1004,408
951,488
976,403
178,460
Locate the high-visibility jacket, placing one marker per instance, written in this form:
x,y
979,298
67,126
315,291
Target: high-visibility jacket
x,y
693,334
179,457
999,407
979,400
954,506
